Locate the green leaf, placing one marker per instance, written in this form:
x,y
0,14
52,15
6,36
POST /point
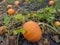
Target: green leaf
x,y
47,14
41,1
48,17
21,30
19,17
11,1
50,9
6,19
40,16
41,10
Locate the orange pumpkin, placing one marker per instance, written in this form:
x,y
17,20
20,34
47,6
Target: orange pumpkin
x,y
3,29
16,3
57,23
11,11
32,31
51,3
9,6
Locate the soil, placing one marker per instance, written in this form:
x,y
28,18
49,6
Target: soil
x,y
49,38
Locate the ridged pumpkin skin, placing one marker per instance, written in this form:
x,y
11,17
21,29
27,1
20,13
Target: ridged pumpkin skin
x,y
32,31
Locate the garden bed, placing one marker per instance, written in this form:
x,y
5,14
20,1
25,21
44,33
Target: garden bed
x,y
15,13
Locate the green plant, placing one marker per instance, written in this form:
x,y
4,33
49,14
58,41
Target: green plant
x,y
49,26
37,0
6,19
19,17
31,15
17,31
41,1
34,1
47,14
11,1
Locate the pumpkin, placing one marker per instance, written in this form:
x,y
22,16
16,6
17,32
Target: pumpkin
x,y
33,32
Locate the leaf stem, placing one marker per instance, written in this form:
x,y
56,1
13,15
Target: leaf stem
x,y
17,39
54,29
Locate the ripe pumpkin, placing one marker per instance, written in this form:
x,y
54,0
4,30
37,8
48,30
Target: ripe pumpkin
x,y
3,29
57,23
9,6
32,31
51,3
16,3
11,11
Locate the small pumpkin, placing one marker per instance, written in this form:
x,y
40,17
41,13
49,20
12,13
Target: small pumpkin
x,y
57,23
16,3
9,6
11,11
51,2
3,30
